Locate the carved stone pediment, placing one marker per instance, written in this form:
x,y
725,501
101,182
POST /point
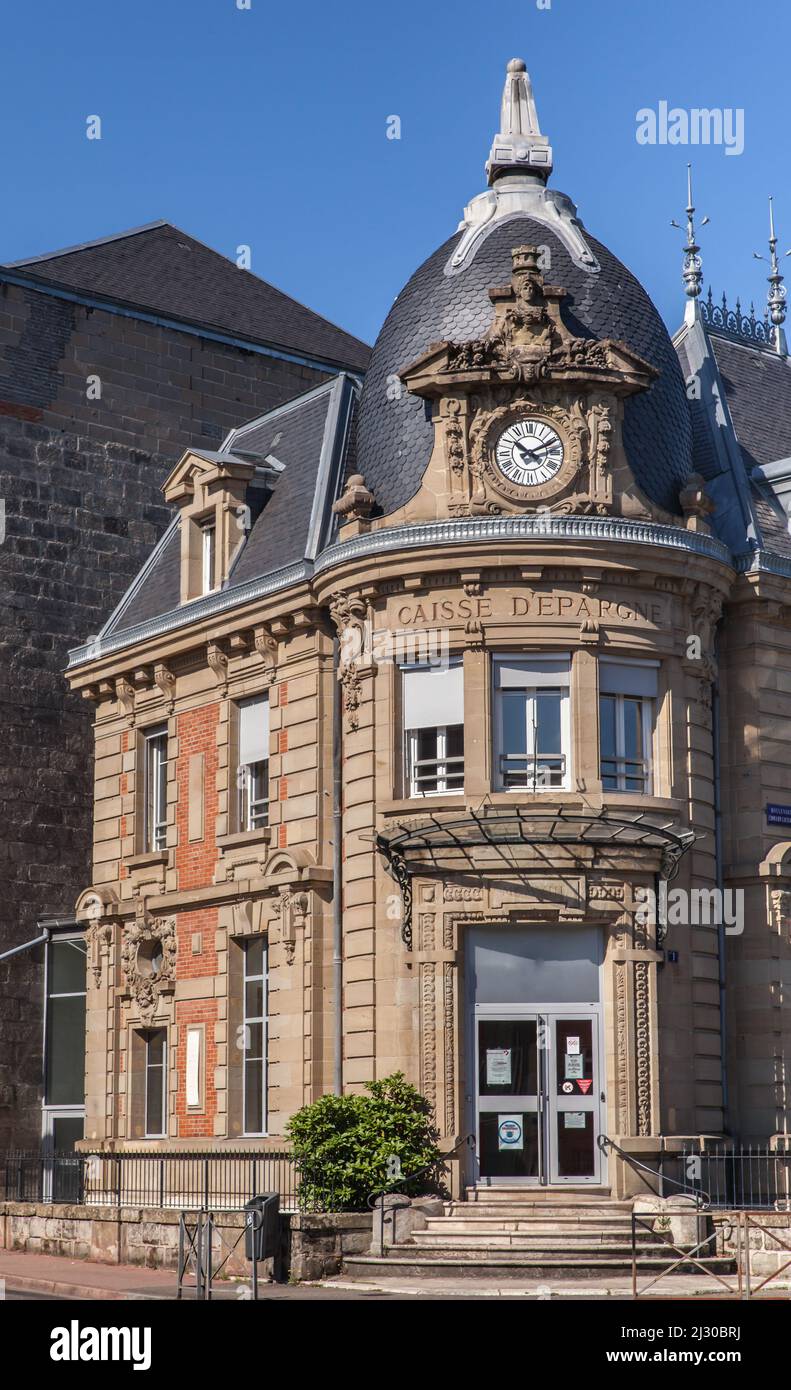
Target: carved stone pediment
x,y
148,961
529,416
528,342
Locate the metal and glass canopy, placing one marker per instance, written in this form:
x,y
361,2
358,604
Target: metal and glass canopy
x,y
445,844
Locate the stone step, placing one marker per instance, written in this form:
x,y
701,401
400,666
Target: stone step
x,y
371,1267
529,1213
538,1250
526,1240
570,1196
528,1221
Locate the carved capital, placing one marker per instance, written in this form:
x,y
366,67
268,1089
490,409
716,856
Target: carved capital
x,y
165,681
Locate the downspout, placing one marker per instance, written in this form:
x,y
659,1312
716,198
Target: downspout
x,y
719,875
337,870
27,945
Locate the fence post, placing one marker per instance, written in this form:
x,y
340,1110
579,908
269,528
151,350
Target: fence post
x,y
206,1183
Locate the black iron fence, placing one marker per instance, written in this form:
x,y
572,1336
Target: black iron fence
x,y
216,1181
744,1179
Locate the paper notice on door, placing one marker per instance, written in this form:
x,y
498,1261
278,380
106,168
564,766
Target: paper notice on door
x,y
574,1063
510,1134
572,1044
574,1119
498,1066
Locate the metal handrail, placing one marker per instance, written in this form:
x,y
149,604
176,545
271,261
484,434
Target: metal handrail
x,y
381,1192
605,1143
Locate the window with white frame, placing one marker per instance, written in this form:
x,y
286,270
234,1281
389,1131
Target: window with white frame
x,y
253,774
155,786
627,699
255,1035
208,549
156,1089
532,733
433,701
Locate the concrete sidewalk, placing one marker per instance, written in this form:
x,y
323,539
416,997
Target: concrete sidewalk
x,y
64,1278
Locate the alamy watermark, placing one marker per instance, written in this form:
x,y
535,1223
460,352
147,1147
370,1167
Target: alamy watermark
x,y
361,643
675,125
691,907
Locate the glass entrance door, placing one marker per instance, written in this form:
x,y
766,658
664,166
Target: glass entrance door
x,y
539,1097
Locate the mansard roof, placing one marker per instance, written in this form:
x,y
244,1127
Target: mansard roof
x,y
161,270
741,421
302,453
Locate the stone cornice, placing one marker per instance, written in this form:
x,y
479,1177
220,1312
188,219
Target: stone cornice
x,y
385,541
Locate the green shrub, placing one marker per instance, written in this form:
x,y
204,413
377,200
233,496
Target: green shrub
x,y
343,1146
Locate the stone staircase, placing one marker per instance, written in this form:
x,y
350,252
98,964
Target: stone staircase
x,y
504,1233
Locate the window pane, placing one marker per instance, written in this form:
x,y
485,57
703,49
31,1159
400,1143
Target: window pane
x,y
607,726
454,748
425,770
254,956
254,1097
254,1038
547,722
67,967
66,1051
156,1048
608,741
254,999
514,722
155,1092
633,729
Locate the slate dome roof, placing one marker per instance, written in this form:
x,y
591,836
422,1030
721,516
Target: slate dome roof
x,y
439,302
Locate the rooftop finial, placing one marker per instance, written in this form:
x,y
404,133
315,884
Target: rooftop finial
x,y
693,266
776,298
519,144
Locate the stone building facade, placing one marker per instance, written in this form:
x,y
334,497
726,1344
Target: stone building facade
x,y
110,355
450,755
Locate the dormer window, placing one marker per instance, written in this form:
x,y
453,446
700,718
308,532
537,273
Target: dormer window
x,y
208,553
211,493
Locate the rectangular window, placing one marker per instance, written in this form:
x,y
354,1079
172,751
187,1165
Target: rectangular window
x,y
156,1088
253,772
627,695
255,1035
434,729
155,787
65,1022
208,547
532,723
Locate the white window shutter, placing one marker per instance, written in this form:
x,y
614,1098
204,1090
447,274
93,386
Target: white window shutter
x,y
433,696
532,674
253,730
628,678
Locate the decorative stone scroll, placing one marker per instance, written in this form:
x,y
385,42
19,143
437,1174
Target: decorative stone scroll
x,y
148,960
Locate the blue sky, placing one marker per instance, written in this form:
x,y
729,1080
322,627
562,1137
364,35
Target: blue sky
x,y
267,127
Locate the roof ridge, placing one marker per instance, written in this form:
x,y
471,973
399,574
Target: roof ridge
x,y
97,241
294,403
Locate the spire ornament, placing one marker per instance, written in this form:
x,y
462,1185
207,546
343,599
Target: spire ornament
x,y
519,144
776,298
692,273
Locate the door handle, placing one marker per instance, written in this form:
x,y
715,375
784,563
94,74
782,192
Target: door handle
x,y
602,1096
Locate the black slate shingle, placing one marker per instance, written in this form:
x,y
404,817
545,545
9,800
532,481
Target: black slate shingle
x,y
164,271
394,441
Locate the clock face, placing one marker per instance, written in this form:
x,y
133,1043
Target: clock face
x,y
529,452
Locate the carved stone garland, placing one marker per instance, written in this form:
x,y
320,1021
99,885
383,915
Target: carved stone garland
x,y
148,961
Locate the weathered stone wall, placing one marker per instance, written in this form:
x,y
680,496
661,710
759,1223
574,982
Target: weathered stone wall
x,y
125,1235
320,1241
80,482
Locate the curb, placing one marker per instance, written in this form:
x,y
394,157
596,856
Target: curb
x,y
22,1283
